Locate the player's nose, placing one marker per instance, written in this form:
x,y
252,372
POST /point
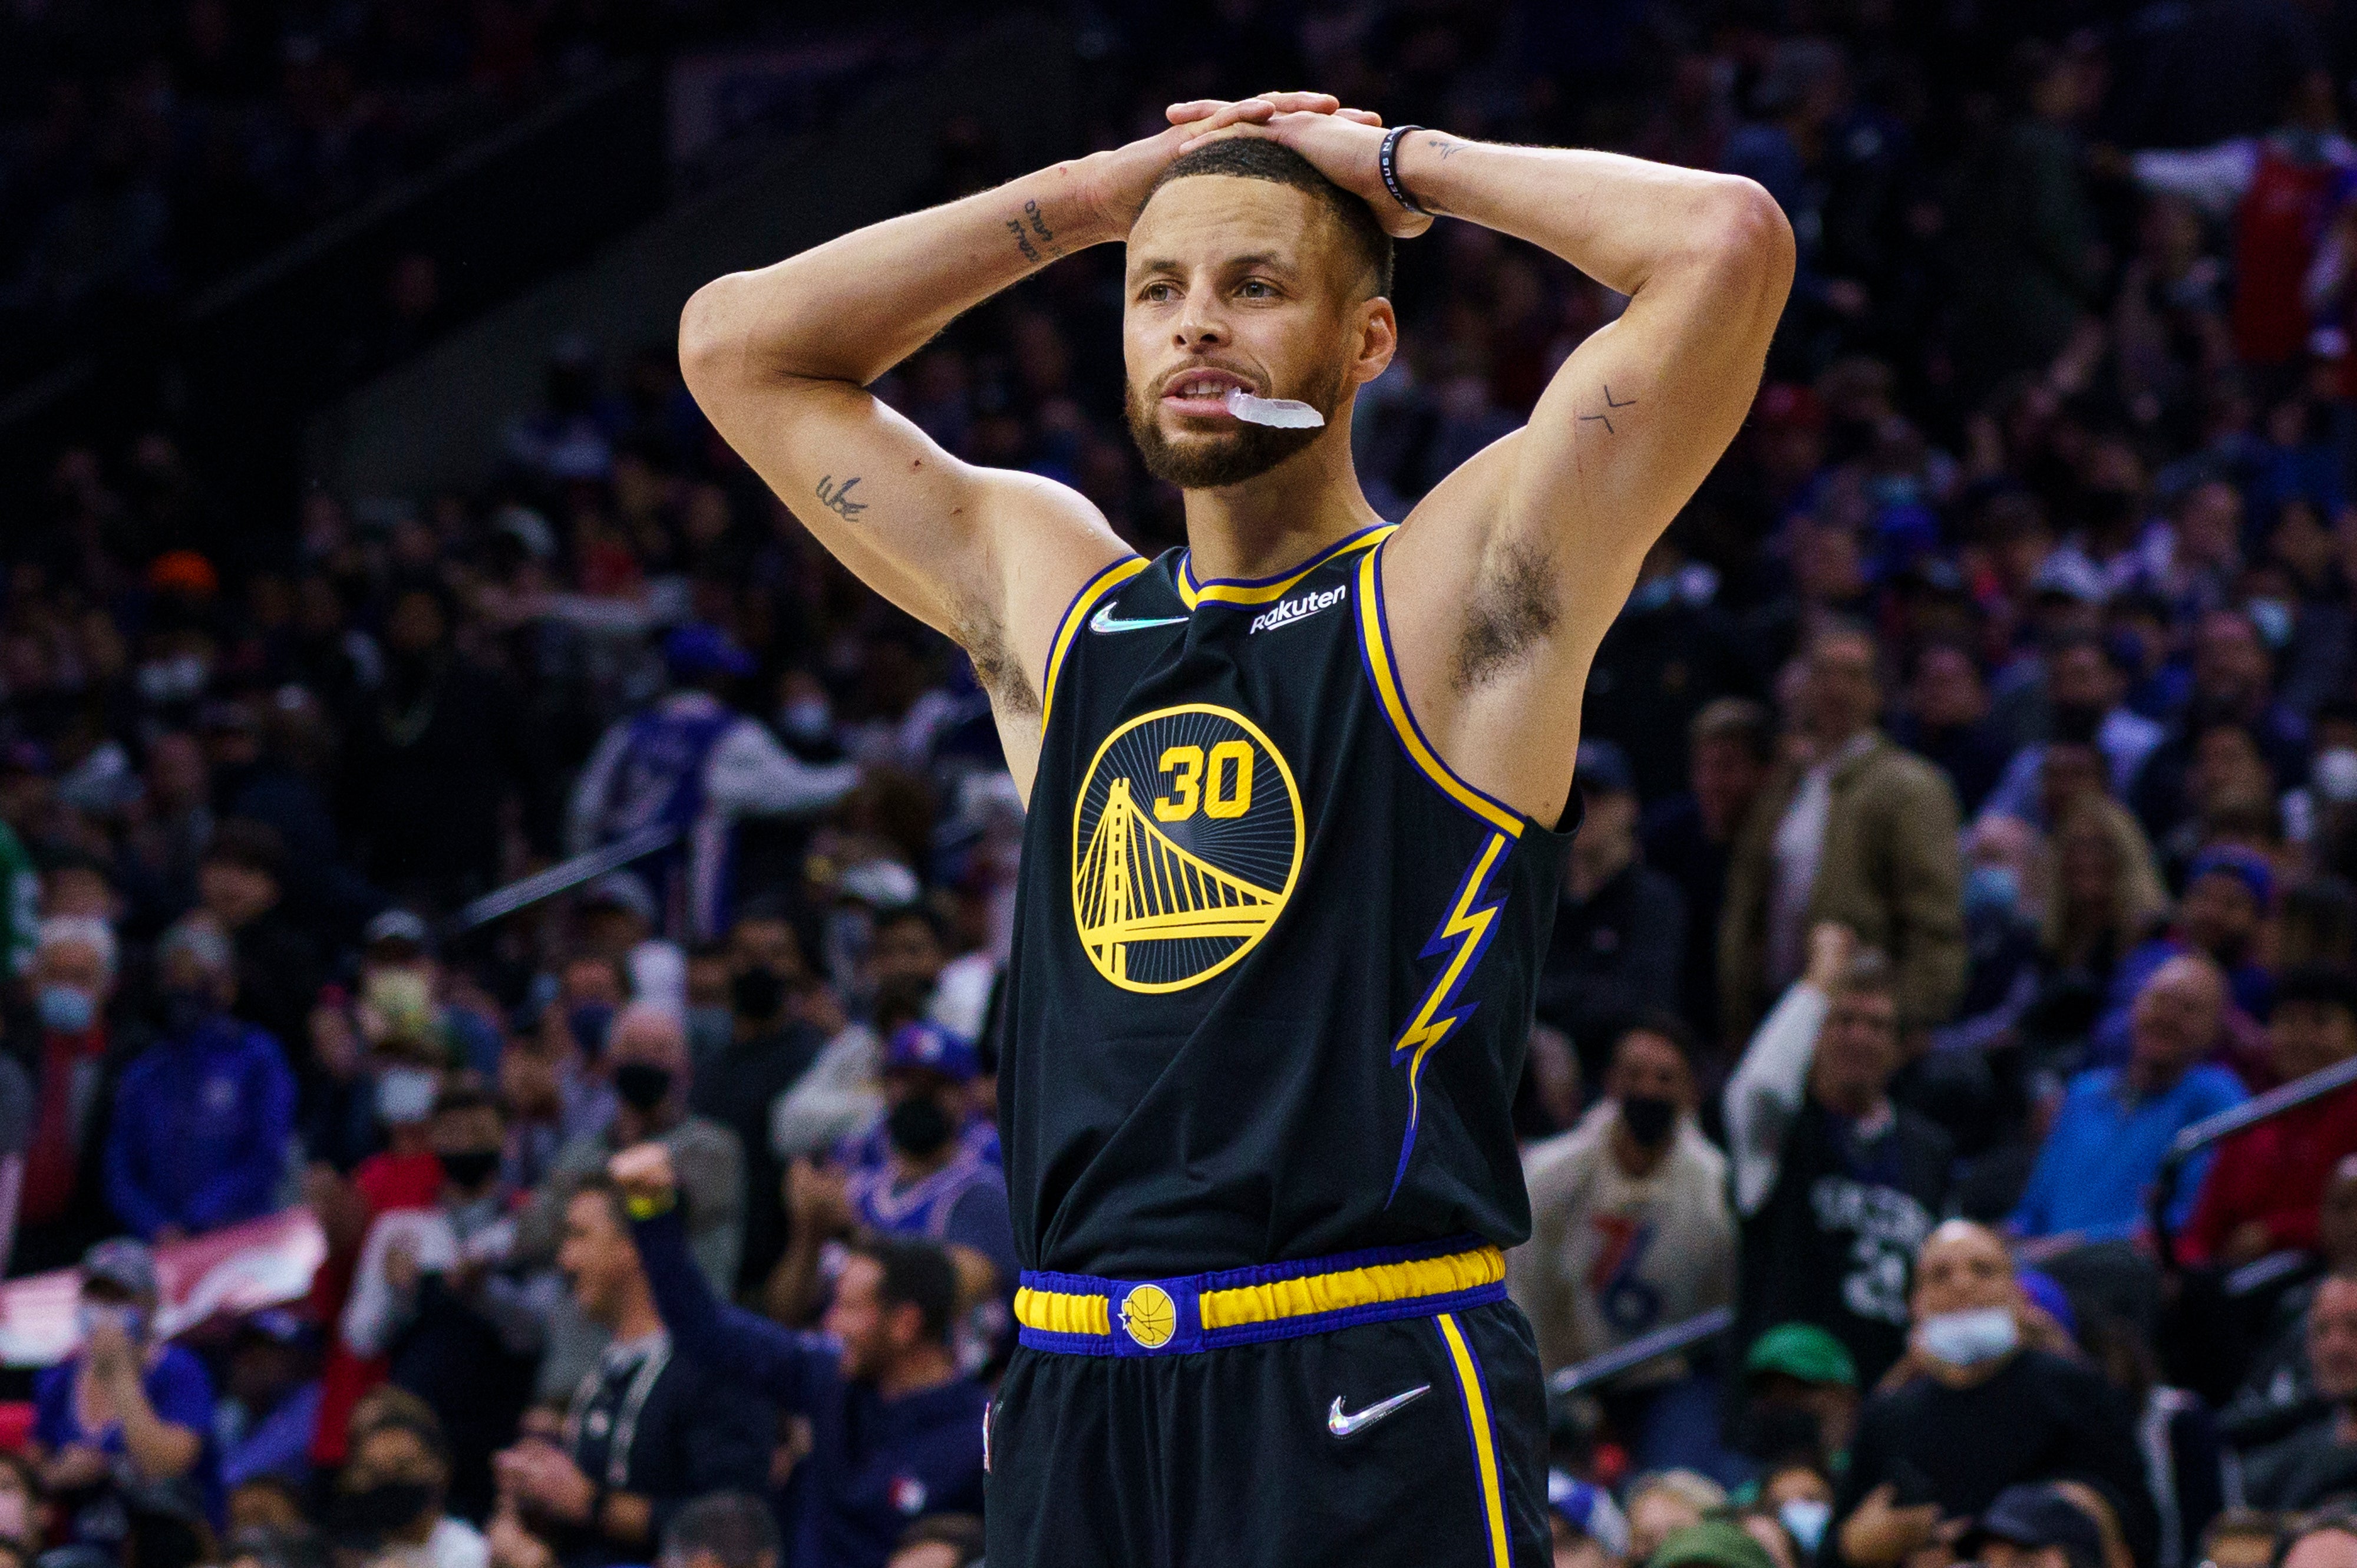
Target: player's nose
x,y
1196,326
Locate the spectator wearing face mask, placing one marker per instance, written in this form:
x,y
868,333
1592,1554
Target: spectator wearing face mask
x,y
72,982
127,1420
1979,1408
739,1084
1630,1232
240,884
646,1063
930,1168
436,1299
202,1118
897,1432
391,1499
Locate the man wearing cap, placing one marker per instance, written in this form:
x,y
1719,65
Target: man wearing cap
x,y
1619,925
1585,1526
929,1168
693,763
2034,1526
1802,1399
127,1408
1713,1543
2266,1186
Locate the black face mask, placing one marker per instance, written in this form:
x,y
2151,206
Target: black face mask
x,y
471,1168
1648,1119
756,993
371,1514
918,1126
642,1085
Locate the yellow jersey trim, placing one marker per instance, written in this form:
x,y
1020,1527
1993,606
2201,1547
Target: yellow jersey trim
x,y
1094,589
1485,1447
1064,1312
1348,1288
1260,590
1375,638
1059,1312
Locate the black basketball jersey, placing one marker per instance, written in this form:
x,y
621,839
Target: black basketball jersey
x,y
1274,962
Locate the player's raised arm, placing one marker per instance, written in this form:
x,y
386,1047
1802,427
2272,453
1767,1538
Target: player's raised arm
x,y
779,359
1505,576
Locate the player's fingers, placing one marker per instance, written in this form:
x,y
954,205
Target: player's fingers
x,y
1364,116
1304,102
1225,132
1244,111
1193,109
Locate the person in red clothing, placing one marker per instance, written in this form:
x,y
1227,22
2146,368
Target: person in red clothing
x,y
404,1173
2265,1186
72,980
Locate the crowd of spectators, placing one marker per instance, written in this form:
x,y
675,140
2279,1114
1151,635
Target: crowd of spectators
x,y
1970,807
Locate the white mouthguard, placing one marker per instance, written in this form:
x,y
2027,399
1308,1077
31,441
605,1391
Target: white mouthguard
x,y
1281,411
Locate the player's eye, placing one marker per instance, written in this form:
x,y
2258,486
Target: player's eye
x,y
1157,294
1256,288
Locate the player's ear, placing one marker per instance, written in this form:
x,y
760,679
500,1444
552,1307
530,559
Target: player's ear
x,y
1378,340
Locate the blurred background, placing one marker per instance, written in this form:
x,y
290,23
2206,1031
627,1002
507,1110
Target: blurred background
x,y
430,761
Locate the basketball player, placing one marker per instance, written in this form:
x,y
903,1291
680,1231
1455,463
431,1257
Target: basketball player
x,y
1297,796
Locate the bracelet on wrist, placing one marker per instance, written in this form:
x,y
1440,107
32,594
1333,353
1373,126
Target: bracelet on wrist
x,y
1387,165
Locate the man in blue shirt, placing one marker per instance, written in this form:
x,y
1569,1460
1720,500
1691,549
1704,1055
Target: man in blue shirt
x,y
202,1117
2116,1122
896,1432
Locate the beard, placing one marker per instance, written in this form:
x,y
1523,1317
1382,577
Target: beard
x,y
1243,452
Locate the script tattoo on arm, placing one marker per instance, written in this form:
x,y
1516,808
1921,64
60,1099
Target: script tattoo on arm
x,y
836,498
1612,407
1034,223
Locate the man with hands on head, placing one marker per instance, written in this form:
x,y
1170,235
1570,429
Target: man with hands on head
x,y
1984,1400
895,1431
1293,794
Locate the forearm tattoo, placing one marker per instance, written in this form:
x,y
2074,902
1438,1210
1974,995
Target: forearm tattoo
x,y
1034,224
837,500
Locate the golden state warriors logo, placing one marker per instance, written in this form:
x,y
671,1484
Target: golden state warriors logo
x,y
1185,846
1149,1316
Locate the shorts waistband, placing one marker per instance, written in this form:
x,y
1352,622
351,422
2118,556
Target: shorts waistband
x,y
1082,1315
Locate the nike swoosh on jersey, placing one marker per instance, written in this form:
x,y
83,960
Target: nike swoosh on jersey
x,y
1342,1425
1104,620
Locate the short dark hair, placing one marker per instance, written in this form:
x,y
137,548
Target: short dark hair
x,y
735,1526
962,1532
1661,1024
1740,720
1254,157
916,1274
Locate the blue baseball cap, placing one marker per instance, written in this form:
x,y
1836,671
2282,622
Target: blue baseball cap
x,y
697,648
1589,1510
929,1047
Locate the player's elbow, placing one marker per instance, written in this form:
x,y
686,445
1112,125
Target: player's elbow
x,y
708,344
1750,239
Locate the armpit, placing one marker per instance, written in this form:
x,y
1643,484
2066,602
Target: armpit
x,y
1513,610
996,666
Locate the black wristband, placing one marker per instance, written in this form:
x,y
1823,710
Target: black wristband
x,y
1387,163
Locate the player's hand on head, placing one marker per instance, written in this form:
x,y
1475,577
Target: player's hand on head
x,y
1343,145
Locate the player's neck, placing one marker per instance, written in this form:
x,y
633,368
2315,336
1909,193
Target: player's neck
x,y
1280,518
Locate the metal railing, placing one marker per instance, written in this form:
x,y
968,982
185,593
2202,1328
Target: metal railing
x,y
1595,1371
564,876
2192,1140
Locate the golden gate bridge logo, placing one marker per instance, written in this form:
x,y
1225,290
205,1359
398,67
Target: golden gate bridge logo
x,y
1185,846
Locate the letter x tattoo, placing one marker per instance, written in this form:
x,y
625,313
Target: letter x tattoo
x,y
1627,402
837,500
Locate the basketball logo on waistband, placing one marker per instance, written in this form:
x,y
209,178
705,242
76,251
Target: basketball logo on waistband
x,y
1185,846
1149,1316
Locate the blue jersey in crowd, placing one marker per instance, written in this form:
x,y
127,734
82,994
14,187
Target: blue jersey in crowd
x,y
200,1132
